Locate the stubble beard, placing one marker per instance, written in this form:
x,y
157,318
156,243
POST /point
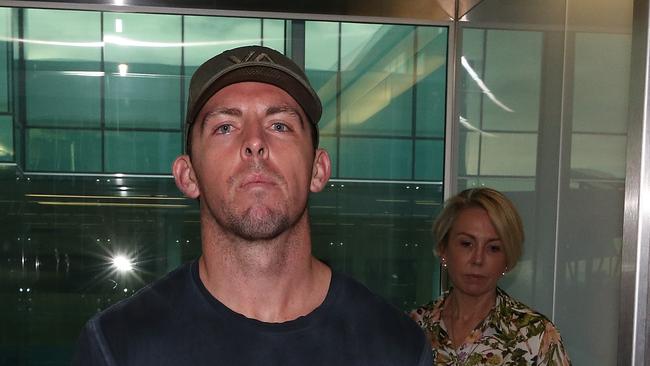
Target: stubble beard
x,y
259,223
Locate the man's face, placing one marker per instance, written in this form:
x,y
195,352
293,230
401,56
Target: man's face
x,y
253,160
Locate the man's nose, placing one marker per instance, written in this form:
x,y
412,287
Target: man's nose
x,y
254,145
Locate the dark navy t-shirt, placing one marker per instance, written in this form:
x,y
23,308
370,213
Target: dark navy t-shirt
x,y
176,321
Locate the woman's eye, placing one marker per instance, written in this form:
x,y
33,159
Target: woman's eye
x,y
465,243
495,248
280,127
224,129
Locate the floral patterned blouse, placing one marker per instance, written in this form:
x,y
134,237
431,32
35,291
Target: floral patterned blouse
x,y
511,335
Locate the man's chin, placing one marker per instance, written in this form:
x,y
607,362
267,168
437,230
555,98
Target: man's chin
x,y
256,226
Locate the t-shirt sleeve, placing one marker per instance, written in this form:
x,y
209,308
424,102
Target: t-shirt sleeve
x,y
91,350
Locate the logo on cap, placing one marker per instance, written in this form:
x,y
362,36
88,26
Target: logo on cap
x,y
261,57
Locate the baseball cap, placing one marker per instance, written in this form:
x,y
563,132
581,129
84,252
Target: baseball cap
x,y
250,63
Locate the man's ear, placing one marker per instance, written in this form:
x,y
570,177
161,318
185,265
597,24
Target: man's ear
x,y
184,176
321,170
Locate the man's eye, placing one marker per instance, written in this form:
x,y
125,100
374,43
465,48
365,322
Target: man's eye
x,y
280,127
224,129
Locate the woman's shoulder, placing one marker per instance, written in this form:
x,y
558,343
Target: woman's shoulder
x,y
515,313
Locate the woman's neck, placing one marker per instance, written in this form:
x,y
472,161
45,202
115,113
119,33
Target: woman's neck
x,y
462,313
467,307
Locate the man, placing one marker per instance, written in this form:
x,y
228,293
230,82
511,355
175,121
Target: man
x,y
256,296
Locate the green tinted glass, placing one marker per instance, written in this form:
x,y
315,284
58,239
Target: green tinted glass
x,y
142,64
322,66
375,158
62,68
273,31
429,160
206,37
6,138
63,150
141,152
377,76
431,77
5,34
513,76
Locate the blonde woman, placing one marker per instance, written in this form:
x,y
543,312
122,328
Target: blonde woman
x,y
479,238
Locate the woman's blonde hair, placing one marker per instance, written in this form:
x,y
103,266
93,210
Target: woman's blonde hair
x,y
502,213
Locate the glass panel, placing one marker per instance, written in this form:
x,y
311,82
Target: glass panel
x,y
377,76
63,150
468,154
373,158
141,152
321,66
62,67
472,58
519,150
598,102
5,34
431,86
273,31
556,65
598,157
429,159
142,66
6,138
87,114
205,37
512,80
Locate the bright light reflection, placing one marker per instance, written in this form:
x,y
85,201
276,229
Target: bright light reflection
x,y
122,263
123,68
118,2
482,85
118,25
463,121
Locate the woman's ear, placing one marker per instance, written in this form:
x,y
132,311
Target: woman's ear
x,y
321,170
184,176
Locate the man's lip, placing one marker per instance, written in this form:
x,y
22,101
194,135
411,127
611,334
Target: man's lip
x,y
256,179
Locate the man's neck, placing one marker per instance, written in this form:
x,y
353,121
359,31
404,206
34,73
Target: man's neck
x,y
271,281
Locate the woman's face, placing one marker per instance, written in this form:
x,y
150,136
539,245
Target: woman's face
x,y
474,253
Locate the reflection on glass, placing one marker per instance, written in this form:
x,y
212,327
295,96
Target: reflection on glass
x,y
105,93
6,138
55,150
560,153
5,33
56,57
377,76
142,83
141,152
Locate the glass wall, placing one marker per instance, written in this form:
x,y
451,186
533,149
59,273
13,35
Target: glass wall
x,y
542,114
97,102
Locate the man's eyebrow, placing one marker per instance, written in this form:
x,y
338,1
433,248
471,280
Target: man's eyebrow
x,y
235,112
285,109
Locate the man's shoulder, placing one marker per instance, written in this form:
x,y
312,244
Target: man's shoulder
x,y
363,305
149,303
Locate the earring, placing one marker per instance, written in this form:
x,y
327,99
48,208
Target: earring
x,y
504,271
444,262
